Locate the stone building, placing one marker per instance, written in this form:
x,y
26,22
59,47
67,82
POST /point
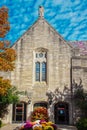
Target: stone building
x,y
45,63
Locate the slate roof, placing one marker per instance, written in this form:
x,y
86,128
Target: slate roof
x,y
82,45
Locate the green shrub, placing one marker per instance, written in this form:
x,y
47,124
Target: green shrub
x,y
0,123
82,124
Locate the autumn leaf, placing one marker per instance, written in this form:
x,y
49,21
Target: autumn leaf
x,y
4,24
5,84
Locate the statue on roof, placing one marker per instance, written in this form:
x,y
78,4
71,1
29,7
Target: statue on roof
x,y
41,11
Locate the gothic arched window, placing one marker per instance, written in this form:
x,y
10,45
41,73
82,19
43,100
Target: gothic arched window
x,y
41,66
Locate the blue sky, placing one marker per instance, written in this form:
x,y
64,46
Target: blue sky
x,y
68,17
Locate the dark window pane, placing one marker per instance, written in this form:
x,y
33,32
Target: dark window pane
x,y
43,71
37,71
41,104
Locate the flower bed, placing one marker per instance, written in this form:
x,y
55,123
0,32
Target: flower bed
x,y
38,120
38,125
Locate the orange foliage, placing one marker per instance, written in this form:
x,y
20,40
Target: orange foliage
x,y
39,113
4,44
6,59
7,55
4,24
1,45
5,65
4,86
10,54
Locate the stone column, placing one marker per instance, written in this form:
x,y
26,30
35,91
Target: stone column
x,y
29,110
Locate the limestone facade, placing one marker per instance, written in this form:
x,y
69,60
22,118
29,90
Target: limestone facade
x,y
64,63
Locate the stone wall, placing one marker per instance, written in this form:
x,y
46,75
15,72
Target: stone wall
x,y
79,70
41,35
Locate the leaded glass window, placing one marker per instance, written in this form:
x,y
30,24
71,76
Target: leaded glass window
x,y
43,71
41,66
37,71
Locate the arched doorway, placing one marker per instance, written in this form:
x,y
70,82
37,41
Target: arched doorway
x,y
61,113
19,112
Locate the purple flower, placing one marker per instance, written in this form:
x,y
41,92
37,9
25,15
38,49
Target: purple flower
x,y
41,121
28,125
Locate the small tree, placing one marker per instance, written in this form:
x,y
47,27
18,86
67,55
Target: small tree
x,y
6,98
80,97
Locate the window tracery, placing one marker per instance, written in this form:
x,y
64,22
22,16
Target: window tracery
x,y
40,66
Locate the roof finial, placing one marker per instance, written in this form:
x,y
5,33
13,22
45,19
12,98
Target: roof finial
x,y
41,11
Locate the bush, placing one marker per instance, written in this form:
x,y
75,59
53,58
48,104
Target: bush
x,y
39,113
82,124
0,123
